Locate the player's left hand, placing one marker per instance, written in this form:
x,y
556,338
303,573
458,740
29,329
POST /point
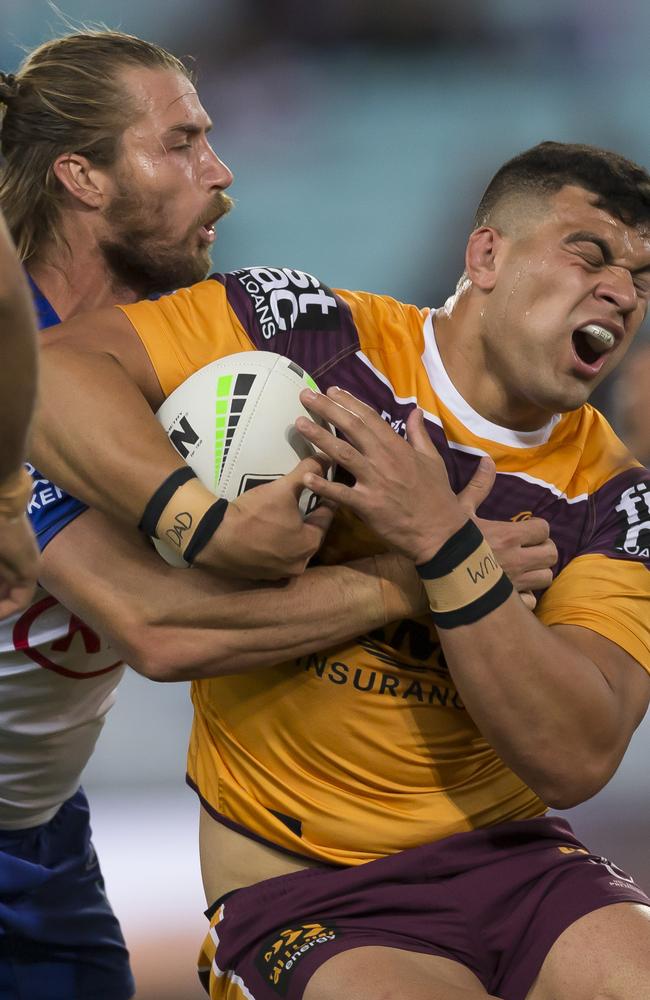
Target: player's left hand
x,y
401,490
19,563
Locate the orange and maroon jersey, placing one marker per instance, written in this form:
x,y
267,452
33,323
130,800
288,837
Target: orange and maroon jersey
x,y
357,752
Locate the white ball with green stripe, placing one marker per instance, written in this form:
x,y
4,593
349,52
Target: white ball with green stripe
x,y
233,423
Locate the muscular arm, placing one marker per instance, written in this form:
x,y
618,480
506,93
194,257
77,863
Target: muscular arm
x,y
559,704
18,374
171,624
94,432
17,357
562,713
96,437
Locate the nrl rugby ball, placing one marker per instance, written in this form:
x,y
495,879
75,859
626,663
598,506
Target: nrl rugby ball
x,y
233,423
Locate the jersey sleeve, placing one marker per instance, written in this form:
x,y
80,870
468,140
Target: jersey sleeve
x,y
50,509
606,586
186,330
281,310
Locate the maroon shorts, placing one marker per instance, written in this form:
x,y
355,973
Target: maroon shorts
x,y
494,900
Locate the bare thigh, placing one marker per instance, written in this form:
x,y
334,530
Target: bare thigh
x,y
379,973
603,956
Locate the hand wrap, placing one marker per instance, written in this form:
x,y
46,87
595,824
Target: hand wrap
x,y
463,580
183,513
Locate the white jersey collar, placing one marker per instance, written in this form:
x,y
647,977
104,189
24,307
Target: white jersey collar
x,y
448,394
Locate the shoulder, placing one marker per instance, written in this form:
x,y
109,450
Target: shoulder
x,y
601,455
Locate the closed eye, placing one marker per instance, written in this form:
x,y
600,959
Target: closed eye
x,y
591,253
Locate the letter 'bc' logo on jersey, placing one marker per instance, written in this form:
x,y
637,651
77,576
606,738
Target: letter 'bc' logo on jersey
x,y
57,640
634,505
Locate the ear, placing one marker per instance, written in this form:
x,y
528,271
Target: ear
x,y
481,257
81,179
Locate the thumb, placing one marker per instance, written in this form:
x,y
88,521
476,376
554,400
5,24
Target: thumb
x,y
479,487
529,599
317,465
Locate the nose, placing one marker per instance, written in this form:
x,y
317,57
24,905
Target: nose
x,y
216,174
617,287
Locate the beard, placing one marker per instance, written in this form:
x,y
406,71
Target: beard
x,y
142,256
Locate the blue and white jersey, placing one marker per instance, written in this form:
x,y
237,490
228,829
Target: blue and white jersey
x,y
57,676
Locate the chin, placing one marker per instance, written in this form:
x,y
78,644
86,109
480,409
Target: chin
x,y
572,400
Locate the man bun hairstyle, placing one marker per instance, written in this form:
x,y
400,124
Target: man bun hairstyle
x,y
9,88
621,186
66,97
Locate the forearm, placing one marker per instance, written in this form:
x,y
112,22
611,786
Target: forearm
x,y
18,358
96,437
184,624
543,704
255,626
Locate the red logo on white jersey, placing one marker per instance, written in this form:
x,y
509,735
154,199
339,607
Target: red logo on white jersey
x,y
77,644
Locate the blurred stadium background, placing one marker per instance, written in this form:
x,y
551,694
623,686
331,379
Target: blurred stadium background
x,y
361,135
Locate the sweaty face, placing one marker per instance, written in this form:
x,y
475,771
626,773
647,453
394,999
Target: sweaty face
x,y
167,188
571,292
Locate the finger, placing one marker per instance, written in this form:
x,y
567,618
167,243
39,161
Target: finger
x,y
352,403
358,422
321,517
539,556
417,436
534,557
17,599
529,600
339,451
313,463
334,493
534,531
538,579
479,487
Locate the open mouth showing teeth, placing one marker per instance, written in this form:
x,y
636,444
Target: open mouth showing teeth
x,y
592,341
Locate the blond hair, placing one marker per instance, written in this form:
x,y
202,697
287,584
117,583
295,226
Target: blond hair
x,y
66,97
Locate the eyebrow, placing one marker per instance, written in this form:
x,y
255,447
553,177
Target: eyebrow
x,y
585,236
188,128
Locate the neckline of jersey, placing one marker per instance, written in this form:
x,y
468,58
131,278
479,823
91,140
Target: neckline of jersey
x,y
45,311
479,426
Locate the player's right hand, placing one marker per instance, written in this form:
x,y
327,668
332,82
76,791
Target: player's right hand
x,y
524,549
19,564
264,535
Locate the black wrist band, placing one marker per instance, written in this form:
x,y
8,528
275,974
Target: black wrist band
x,y
454,551
471,613
458,579
161,498
205,529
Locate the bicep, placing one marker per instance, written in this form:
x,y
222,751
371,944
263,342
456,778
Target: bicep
x,y
627,680
84,347
94,433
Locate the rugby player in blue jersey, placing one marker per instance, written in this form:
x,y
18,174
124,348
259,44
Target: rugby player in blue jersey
x,y
111,191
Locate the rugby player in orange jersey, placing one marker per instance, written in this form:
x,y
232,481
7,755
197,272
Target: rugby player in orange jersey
x,y
111,189
398,785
